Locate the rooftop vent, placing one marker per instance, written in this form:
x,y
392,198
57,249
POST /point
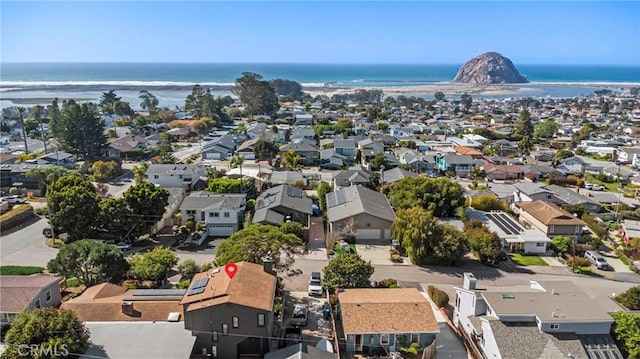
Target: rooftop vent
x,y
127,308
507,296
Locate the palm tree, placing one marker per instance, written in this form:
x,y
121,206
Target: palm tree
x,y
21,111
37,113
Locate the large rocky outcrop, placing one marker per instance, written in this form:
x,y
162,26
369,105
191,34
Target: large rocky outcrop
x,y
489,68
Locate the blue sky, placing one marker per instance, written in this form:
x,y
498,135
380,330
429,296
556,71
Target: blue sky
x,y
426,32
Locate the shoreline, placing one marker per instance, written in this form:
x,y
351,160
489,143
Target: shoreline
x,y
174,95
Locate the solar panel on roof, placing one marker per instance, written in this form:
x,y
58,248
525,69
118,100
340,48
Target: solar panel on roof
x,y
294,192
196,291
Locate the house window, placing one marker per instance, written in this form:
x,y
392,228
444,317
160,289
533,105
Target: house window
x,y
214,336
38,303
156,176
48,295
202,216
415,338
539,244
180,176
190,212
225,328
261,319
226,214
210,214
554,326
235,322
551,229
384,339
216,214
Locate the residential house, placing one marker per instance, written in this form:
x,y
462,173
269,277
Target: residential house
x,y
471,151
308,153
529,192
546,319
219,148
360,211
459,164
369,144
245,149
619,173
175,175
395,174
126,146
221,214
282,203
421,163
18,293
540,172
107,302
59,158
573,197
232,318
346,148
630,155
503,172
550,219
351,177
304,119
331,160
382,320
287,177
513,237
572,165
15,175
303,132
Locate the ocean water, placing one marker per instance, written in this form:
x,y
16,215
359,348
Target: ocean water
x,y
29,82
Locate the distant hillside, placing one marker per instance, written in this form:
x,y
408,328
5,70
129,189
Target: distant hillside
x,y
489,68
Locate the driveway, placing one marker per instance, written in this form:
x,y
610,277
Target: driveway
x,y
316,246
317,327
378,255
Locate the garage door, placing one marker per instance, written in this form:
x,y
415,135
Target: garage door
x,y
221,230
368,234
212,156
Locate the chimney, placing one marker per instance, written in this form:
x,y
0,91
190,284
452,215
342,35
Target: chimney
x,y
267,264
127,308
469,281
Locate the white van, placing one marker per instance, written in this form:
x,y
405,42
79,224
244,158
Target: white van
x,y
598,260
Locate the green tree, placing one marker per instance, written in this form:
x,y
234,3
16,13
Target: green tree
x,y
378,161
415,229
147,203
55,118
258,95
165,154
107,101
347,270
439,96
50,174
81,131
452,247
55,331
293,228
626,330
265,149
21,111
290,160
562,154
227,185
546,129
73,206
525,145
257,242
484,243
488,203
288,88
525,126
323,189
140,172
562,244
466,101
90,262
149,101
122,108
104,170
441,196
195,101
116,218
188,269
153,265
630,298
605,108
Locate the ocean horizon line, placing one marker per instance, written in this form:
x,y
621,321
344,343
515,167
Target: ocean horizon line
x,y
300,63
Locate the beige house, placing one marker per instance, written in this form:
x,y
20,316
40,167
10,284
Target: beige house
x,y
360,211
18,293
550,219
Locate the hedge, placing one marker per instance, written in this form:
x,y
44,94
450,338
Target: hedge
x,y
440,298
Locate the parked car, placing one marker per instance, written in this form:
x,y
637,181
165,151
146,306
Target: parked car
x,y
47,232
123,246
300,313
292,335
315,288
597,187
598,260
316,276
502,256
14,199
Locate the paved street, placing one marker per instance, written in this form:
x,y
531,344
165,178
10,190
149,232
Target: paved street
x,y
26,246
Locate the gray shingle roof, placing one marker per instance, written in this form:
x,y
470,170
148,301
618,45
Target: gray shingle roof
x,y
285,196
209,200
355,200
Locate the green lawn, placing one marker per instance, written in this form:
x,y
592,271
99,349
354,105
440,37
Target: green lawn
x,y
527,260
19,270
338,249
73,282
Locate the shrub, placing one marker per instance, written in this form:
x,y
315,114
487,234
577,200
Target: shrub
x,y
487,203
20,270
388,283
414,348
184,284
630,298
440,298
578,261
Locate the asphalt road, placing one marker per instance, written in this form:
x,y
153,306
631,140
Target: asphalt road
x,y
26,246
